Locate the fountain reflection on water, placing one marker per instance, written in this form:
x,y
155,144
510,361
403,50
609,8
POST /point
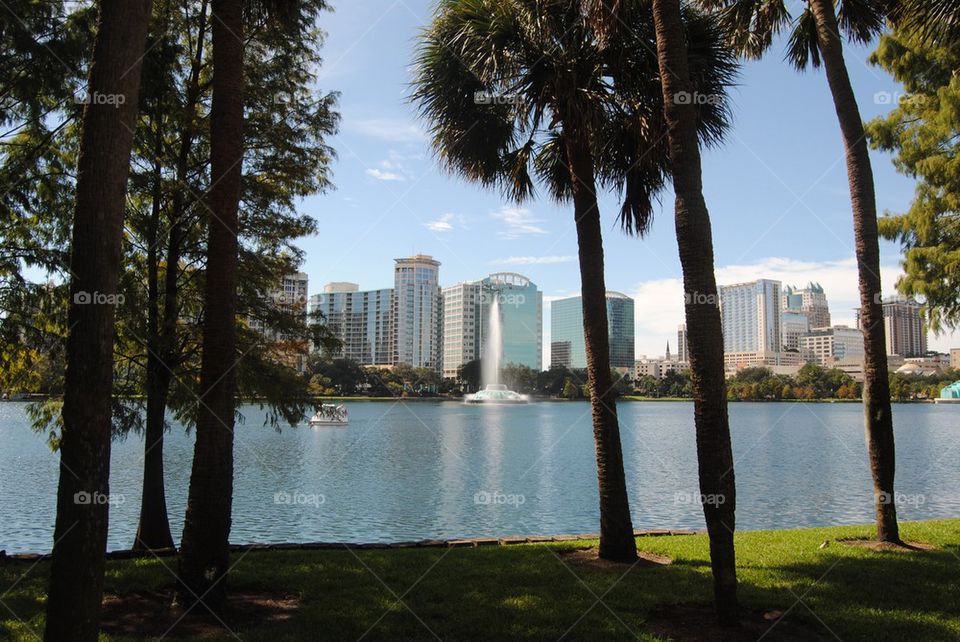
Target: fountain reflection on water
x,y
493,391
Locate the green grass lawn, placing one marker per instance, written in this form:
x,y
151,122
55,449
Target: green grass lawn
x,y
530,592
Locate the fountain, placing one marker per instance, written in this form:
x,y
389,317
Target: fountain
x,y
493,391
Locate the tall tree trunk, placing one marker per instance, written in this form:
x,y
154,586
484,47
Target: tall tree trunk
x,y
617,542
153,531
80,534
204,555
878,417
163,358
705,335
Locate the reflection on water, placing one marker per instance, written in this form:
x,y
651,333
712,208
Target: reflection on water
x,y
404,471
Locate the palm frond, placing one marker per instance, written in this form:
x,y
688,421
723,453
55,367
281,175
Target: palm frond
x,y
935,21
803,48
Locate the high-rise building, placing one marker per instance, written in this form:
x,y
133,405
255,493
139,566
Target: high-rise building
x,y
905,327
417,312
567,344
521,317
461,338
751,317
291,297
466,317
361,320
810,301
683,350
955,358
837,343
794,325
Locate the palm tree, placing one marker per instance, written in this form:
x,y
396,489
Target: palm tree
x,y
80,534
816,39
704,331
517,89
934,20
204,552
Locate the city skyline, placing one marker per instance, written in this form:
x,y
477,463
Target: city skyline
x,y
659,307
783,215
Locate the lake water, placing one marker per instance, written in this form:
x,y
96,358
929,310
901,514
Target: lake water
x,y
406,471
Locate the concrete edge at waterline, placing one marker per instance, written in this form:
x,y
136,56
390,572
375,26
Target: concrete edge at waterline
x,y
473,542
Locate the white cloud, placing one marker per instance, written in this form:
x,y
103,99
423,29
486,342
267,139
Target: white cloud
x,y
519,222
533,260
389,129
384,175
442,224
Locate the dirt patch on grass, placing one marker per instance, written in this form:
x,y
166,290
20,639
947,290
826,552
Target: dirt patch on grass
x,y
151,614
590,557
698,623
903,547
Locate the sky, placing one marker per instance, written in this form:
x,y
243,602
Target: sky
x,y
776,189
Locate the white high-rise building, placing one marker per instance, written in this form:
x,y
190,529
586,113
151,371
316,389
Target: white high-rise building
x,y
461,318
417,312
751,317
683,350
361,320
291,297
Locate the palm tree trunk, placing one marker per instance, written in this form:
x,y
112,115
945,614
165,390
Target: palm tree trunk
x,y
878,417
617,542
80,534
705,334
204,555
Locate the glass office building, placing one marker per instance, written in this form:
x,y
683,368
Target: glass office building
x,y
466,317
567,344
521,316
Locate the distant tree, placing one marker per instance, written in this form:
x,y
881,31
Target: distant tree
x,y
570,390
519,377
753,375
550,382
470,373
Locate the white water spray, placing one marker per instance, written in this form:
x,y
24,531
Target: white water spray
x,y
493,346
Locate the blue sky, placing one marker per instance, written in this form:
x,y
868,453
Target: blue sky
x,y
777,190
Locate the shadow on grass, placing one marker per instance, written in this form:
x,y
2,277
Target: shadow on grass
x,y
530,592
